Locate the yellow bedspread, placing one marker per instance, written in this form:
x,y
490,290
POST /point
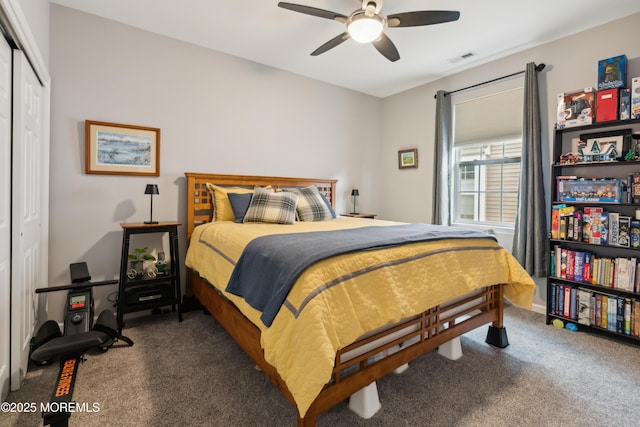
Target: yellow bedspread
x,y
337,300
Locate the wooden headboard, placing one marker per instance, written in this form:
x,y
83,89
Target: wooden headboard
x,y
199,200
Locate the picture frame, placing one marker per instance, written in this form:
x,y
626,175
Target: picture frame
x,y
408,159
599,147
121,149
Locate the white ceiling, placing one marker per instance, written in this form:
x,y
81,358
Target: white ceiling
x,y
260,31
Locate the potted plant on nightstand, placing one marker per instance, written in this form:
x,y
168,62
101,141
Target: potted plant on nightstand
x,y
137,259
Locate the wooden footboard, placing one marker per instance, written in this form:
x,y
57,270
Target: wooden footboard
x,y
415,337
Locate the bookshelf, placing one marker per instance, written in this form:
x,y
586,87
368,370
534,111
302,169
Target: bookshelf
x,y
594,243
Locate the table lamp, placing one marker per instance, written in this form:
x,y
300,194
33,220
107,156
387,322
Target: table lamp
x,y
151,189
354,193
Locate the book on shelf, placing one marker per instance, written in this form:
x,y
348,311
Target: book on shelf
x,y
616,317
627,316
578,266
635,317
598,310
584,306
604,314
624,226
586,268
634,233
573,304
634,182
604,228
571,263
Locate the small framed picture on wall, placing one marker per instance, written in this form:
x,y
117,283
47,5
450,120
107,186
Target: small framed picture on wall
x,y
408,158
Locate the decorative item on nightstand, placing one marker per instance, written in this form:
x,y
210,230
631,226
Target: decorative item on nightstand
x,y
354,193
161,265
151,189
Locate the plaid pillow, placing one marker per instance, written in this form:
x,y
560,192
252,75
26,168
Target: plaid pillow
x,y
267,206
311,206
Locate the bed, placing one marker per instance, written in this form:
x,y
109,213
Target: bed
x,y
379,312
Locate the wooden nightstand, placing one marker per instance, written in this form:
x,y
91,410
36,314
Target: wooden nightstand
x,y
360,215
142,292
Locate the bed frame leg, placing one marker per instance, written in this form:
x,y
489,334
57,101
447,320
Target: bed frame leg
x,y
497,336
365,402
452,349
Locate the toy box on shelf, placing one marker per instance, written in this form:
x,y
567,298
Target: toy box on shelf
x,y
607,105
612,72
625,103
590,190
635,98
575,108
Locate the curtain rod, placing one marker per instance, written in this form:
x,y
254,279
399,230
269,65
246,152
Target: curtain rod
x,y
539,67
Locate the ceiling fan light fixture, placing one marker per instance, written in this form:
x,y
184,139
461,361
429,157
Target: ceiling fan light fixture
x,y
363,28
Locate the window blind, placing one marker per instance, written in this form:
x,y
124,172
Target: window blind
x,y
492,117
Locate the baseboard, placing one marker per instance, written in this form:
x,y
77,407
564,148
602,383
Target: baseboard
x,y
538,308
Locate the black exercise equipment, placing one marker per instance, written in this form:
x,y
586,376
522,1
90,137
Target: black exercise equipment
x,y
80,335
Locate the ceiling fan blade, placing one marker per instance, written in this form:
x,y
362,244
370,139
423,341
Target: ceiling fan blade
x,y
331,44
385,46
313,11
425,17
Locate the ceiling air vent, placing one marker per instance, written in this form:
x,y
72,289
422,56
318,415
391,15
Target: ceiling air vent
x,y
462,57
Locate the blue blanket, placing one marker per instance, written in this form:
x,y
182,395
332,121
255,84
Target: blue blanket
x,y
270,265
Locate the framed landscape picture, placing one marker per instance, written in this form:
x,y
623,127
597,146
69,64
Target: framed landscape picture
x,y
118,149
408,158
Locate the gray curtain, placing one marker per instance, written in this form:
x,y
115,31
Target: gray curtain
x,y
441,159
529,238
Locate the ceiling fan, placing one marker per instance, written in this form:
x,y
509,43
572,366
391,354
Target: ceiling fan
x,y
367,24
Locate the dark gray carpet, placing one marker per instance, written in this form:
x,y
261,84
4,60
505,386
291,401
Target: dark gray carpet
x,y
192,373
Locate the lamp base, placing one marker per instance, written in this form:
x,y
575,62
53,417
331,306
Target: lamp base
x,y
151,222
354,213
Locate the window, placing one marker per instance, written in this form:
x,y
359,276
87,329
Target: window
x,y
486,159
486,175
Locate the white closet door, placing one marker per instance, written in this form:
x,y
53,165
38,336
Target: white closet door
x,y
28,219
5,214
